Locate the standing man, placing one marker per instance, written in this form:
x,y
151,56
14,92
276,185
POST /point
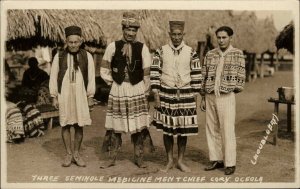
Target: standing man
x,y
72,87
224,71
126,67
176,80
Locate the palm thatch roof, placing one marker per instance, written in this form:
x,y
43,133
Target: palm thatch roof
x,y
150,31
245,31
266,35
251,34
197,23
97,25
286,38
155,25
50,24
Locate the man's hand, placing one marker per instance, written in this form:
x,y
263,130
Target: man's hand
x,y
55,102
202,92
203,104
196,97
148,104
156,100
90,101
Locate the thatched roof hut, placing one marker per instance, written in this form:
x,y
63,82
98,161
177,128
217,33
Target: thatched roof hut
x,y
155,24
49,24
97,25
150,31
251,34
244,27
198,24
286,38
266,35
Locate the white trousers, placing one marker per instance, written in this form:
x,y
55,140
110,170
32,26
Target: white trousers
x,y
220,128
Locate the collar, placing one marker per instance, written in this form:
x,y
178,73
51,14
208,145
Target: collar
x,y
73,53
123,39
177,48
221,53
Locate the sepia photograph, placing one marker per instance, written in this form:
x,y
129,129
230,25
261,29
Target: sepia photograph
x,y
150,94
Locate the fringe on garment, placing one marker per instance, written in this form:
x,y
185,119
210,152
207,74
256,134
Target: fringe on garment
x,y
143,141
112,142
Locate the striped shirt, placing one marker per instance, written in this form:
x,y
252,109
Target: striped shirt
x,y
233,74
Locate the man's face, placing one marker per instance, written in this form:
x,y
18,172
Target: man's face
x,y
129,33
73,43
224,40
176,36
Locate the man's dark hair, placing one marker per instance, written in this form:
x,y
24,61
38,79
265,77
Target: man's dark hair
x,y
226,29
33,62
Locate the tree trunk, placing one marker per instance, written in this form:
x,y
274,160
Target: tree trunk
x,y
261,74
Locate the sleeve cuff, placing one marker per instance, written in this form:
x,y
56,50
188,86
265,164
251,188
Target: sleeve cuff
x,y
155,90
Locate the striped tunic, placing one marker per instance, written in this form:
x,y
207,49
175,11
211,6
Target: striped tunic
x,y
14,123
233,75
176,74
127,109
33,122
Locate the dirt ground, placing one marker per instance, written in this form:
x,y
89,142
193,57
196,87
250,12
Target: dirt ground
x,y
43,156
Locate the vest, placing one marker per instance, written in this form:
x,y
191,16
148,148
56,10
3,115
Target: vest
x,y
63,66
135,69
171,70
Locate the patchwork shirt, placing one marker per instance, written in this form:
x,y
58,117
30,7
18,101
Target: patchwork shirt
x,y
233,74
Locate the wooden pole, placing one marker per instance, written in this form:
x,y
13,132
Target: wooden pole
x,y
200,51
261,74
255,68
276,61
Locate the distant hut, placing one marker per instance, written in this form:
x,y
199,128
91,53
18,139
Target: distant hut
x,y
245,28
286,38
255,37
29,30
266,37
252,35
150,32
29,27
199,26
155,24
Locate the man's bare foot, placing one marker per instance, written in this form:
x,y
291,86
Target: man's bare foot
x,y
168,167
139,162
108,164
183,167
